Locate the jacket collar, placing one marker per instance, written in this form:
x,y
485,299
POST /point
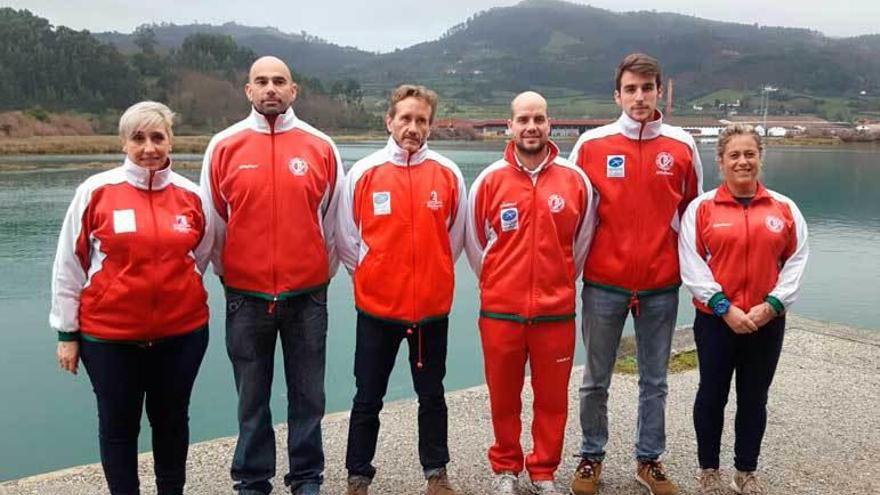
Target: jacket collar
x,y
399,156
510,156
283,123
634,129
141,178
724,195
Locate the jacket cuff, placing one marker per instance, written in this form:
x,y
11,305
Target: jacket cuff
x,y
68,336
715,299
776,304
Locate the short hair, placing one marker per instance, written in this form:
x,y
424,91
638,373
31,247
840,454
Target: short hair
x,y
639,63
145,114
405,91
734,130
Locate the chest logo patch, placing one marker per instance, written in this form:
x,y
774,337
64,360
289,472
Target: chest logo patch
x,y
664,162
556,203
124,221
181,224
774,224
298,166
615,166
509,219
381,203
434,203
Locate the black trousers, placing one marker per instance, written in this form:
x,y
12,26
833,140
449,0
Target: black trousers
x,y
753,357
125,378
376,349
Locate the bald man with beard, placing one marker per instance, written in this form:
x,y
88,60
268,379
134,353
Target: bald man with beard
x,y
529,224
273,182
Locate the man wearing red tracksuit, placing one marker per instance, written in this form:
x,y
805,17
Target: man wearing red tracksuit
x,y
645,173
530,222
273,181
401,228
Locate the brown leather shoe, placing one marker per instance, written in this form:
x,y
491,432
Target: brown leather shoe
x,y
438,484
652,475
357,486
586,477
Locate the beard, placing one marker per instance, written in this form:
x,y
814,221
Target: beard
x,y
271,110
531,150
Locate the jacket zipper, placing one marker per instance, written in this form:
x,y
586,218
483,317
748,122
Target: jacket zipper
x,y
748,242
534,209
412,216
274,224
155,256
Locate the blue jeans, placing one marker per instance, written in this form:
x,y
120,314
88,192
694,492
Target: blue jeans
x,y
126,378
252,328
605,313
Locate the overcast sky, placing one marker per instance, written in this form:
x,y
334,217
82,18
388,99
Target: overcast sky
x,y
383,25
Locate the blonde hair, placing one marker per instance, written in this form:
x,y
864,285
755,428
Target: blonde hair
x,y
734,130
405,91
145,114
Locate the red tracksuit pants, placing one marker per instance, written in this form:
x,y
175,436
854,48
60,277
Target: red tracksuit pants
x,y
549,350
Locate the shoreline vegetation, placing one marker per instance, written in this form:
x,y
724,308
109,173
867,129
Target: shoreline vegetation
x,y
110,144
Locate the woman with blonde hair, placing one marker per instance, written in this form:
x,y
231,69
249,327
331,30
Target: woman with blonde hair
x,y
128,299
742,249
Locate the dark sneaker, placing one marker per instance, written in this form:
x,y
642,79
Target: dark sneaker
x,y
652,475
586,477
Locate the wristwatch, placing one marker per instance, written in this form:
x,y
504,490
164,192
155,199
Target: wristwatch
x,y
721,307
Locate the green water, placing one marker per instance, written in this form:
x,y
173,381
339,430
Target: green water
x,y
48,418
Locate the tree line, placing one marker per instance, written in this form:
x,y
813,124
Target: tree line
x,y
55,68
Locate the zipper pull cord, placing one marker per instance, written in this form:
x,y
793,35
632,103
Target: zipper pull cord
x,y
634,303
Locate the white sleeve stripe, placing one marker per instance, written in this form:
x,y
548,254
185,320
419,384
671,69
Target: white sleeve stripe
x,y
695,272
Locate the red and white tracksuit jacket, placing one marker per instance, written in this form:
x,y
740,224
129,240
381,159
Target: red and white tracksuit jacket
x,y
748,254
274,190
400,230
528,234
645,175
130,258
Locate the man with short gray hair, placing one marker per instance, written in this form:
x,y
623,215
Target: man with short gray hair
x,y
401,228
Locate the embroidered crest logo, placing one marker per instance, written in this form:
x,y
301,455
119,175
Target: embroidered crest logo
x,y
434,203
774,224
664,161
556,203
298,166
181,224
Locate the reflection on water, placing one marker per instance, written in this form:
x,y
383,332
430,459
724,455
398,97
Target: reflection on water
x,y
48,418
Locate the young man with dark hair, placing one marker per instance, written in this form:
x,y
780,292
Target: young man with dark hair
x,y
645,173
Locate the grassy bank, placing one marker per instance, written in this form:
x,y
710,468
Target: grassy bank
x,y
99,145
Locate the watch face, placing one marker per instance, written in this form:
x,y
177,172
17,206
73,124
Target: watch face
x,y
722,307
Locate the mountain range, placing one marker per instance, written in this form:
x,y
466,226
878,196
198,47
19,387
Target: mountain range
x,y
572,47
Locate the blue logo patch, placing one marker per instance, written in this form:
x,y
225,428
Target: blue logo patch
x,y
615,162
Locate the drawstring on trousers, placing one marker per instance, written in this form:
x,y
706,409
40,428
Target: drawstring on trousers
x,y
409,331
